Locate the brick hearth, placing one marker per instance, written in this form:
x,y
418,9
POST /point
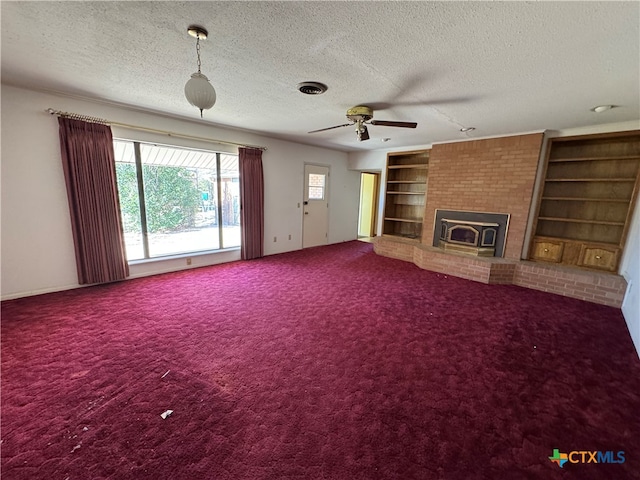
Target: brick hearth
x,y
602,288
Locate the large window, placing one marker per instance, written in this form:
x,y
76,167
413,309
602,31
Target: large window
x,y
176,200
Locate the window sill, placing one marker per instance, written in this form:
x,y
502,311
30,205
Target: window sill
x,y
180,256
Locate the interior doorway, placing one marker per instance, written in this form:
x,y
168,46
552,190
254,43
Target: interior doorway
x,y
368,211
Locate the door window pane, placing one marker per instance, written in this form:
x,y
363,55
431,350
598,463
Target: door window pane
x,y
316,186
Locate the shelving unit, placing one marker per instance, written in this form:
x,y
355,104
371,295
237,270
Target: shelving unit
x,y
405,193
587,200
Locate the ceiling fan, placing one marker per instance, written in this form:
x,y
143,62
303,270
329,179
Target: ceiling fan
x,y
361,116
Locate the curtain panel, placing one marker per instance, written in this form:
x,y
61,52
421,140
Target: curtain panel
x,y
251,203
90,175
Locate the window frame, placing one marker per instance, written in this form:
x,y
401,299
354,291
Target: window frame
x,y
138,163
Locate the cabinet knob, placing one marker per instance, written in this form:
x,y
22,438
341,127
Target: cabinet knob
x,y
546,249
598,257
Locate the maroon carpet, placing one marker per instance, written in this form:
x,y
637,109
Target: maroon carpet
x,y
329,363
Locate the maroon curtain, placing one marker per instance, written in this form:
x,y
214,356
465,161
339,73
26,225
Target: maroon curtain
x,y
90,175
251,203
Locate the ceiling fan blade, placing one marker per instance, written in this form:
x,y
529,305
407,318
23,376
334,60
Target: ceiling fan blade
x,y
331,128
394,124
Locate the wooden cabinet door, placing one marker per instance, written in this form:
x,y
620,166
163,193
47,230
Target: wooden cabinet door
x,y
599,257
547,250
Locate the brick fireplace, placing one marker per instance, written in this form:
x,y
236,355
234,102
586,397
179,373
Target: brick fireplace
x,y
492,175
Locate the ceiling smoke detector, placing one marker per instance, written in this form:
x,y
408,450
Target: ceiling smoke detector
x,y
312,88
602,108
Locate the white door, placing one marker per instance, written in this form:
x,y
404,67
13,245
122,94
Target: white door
x,y
315,224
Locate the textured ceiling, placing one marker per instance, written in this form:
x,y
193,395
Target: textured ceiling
x,y
499,67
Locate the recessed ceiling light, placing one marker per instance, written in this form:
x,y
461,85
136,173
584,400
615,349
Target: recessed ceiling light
x,y
312,88
467,129
602,108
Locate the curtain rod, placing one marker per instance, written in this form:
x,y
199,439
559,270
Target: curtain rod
x,y
86,118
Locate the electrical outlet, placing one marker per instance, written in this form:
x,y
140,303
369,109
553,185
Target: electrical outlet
x,y
275,239
289,236
189,261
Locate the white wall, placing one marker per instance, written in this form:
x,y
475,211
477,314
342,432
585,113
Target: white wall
x,y
37,244
630,270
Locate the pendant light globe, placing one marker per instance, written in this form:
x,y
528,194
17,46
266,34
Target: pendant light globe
x,y
199,92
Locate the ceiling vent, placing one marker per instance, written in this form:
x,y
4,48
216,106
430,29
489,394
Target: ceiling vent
x,y
312,88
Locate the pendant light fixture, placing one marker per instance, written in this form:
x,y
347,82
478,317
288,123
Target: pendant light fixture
x,y
199,92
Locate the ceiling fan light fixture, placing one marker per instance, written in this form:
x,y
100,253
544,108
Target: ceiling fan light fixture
x,y
362,132
198,91
312,88
361,116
